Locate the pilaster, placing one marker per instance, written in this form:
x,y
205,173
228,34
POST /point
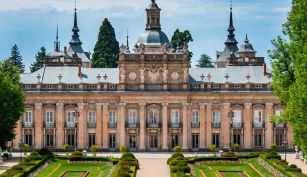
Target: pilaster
x,y
248,136
105,127
226,125
208,120
142,126
59,125
202,126
38,123
268,125
185,126
164,128
82,123
122,107
98,125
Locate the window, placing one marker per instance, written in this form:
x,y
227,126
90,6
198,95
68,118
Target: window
x,y
112,141
71,87
258,86
91,117
278,113
216,86
279,137
49,116
195,141
237,118
175,140
28,117
132,117
236,137
112,87
71,139
70,116
216,117
153,116
216,140
195,116
91,139
258,115
132,141
49,140
112,117
49,86
175,116
258,138
153,141
28,139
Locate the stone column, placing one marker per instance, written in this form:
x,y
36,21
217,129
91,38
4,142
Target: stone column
x,y
38,124
82,124
98,125
226,125
248,135
105,126
268,125
208,124
189,125
142,126
122,122
165,129
202,126
185,126
60,125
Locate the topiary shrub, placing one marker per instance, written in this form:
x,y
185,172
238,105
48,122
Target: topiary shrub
x,y
17,167
34,156
273,147
46,152
123,149
176,155
123,174
128,154
229,154
177,149
292,166
76,154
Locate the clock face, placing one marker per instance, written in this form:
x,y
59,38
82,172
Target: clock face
x,y
132,76
175,76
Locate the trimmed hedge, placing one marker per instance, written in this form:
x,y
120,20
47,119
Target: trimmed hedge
x,y
126,166
200,159
179,165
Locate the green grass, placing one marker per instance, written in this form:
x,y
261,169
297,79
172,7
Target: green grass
x,y
232,174
93,169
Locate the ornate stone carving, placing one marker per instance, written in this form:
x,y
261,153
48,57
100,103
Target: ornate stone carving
x,y
175,76
185,74
165,74
122,74
153,73
132,76
142,74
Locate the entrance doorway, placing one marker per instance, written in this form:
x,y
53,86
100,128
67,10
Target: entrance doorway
x,y
132,142
175,140
153,142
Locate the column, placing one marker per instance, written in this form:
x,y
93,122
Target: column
x,y
105,127
122,124
189,125
59,125
202,126
268,125
81,129
208,122
164,128
18,132
226,125
38,124
98,125
248,135
142,126
185,126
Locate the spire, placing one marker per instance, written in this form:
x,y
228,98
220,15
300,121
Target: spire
x,y
231,42
246,39
75,37
127,39
57,42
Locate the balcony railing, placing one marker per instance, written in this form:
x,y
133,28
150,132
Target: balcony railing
x,y
70,125
49,124
258,124
28,124
91,124
279,125
237,125
112,124
216,124
153,125
132,125
175,125
195,124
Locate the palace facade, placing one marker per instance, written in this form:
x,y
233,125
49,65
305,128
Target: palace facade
x,y
153,101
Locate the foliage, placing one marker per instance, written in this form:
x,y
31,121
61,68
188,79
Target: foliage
x,y
94,149
39,60
46,152
177,149
236,147
34,156
11,101
178,165
229,154
76,154
273,147
106,51
205,61
16,59
179,39
127,165
289,63
65,147
123,149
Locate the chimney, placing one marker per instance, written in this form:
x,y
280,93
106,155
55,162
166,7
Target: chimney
x,y
264,70
79,71
65,50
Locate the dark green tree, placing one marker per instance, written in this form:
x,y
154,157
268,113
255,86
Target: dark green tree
x,y
16,59
106,51
39,60
182,38
205,61
289,63
11,101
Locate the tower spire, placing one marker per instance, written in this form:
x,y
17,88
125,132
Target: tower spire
x,y
75,37
231,42
127,39
57,42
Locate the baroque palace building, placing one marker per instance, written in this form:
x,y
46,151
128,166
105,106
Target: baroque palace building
x,y
153,101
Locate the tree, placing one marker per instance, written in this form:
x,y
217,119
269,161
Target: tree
x,y
289,63
16,59
106,51
205,61
182,38
38,64
11,101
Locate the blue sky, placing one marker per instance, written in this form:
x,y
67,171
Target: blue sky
x,y
32,23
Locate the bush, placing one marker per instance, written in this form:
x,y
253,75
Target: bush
x,y
236,147
270,155
123,149
46,152
76,154
292,166
273,147
34,156
17,167
124,174
177,149
229,154
176,155
128,154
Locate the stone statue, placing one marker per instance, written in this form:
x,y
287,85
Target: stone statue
x,y
122,74
165,74
142,74
185,74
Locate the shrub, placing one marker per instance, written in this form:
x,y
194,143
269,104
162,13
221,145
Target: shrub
x,y
292,166
17,167
273,147
124,174
25,148
128,154
229,154
177,149
35,156
123,149
236,147
76,154
45,151
176,155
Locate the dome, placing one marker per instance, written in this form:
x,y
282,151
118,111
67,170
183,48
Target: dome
x,y
153,37
246,47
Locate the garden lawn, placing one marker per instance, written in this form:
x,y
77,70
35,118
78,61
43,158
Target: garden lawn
x,y
58,167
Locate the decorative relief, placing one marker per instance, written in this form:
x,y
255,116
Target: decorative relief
x,y
175,76
153,73
142,74
122,74
185,74
165,74
132,76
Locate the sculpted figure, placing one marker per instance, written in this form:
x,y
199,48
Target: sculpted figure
x,y
185,74
165,74
122,74
142,74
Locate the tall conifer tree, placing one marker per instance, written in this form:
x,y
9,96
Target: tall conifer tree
x,y
38,64
16,59
205,61
106,51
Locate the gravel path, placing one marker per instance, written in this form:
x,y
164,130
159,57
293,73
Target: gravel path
x,y
153,168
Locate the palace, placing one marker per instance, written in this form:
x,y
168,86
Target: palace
x,y
154,100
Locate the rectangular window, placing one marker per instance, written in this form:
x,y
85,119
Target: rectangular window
x,y
91,139
175,116
236,139
28,139
195,141
278,113
112,141
112,117
237,118
132,141
92,117
49,116
279,137
258,138
132,117
70,116
195,116
49,140
258,118
216,117
28,117
71,139
216,140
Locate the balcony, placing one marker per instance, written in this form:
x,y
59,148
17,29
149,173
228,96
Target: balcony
x,y
28,124
91,124
195,124
175,125
216,124
153,125
279,125
258,124
49,125
132,125
70,125
112,124
237,125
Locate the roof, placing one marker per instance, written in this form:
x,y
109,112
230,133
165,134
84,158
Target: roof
x,y
153,37
237,74
69,75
